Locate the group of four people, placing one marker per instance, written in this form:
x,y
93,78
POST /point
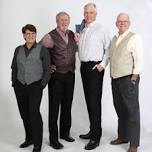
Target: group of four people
x,y
52,61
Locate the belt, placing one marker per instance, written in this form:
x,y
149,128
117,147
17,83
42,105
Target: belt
x,y
90,62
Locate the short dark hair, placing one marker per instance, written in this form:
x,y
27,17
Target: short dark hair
x,y
29,27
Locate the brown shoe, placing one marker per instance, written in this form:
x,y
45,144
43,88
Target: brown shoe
x,y
118,141
132,149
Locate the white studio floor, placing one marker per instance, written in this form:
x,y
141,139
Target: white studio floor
x,y
11,138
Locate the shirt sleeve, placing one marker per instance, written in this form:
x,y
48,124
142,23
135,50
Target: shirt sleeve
x,y
136,48
106,55
14,67
106,58
46,63
47,41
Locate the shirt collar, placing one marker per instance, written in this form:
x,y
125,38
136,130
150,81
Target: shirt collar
x,y
122,35
91,24
33,46
58,30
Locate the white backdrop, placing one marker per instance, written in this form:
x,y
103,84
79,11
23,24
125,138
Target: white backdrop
x,y
16,13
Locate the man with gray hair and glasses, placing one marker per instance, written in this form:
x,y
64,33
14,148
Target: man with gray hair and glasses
x,y
126,63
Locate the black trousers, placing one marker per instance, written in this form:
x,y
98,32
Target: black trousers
x,y
60,87
92,84
125,98
29,99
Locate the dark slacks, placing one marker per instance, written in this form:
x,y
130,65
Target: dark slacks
x,y
125,98
92,84
61,88
28,100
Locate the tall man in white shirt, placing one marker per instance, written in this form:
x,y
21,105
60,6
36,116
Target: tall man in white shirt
x,y
92,42
126,63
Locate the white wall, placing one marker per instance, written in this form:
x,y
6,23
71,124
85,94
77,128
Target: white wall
x,y
16,13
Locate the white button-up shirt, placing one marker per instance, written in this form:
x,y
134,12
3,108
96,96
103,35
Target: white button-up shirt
x,y
93,43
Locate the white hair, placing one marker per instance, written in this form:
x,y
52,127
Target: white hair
x,y
90,4
123,14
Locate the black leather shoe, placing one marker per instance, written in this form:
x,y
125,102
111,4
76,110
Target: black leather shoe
x,y
26,144
92,144
85,136
37,149
68,138
56,145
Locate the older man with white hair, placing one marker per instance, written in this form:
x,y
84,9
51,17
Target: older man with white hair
x,y
126,64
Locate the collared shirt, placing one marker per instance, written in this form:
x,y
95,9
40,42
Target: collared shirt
x,y
94,41
121,36
135,46
28,50
47,40
64,35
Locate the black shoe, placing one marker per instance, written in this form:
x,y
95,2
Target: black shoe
x,y
92,144
85,136
37,149
56,145
68,138
26,144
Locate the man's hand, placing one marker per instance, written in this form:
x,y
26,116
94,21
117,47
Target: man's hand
x,y
53,68
77,37
134,77
99,67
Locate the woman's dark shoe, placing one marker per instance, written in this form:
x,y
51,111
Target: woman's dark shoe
x,y
26,144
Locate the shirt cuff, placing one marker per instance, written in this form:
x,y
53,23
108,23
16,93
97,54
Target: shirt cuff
x,y
136,71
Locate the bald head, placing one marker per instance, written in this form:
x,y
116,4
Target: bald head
x,y
123,22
